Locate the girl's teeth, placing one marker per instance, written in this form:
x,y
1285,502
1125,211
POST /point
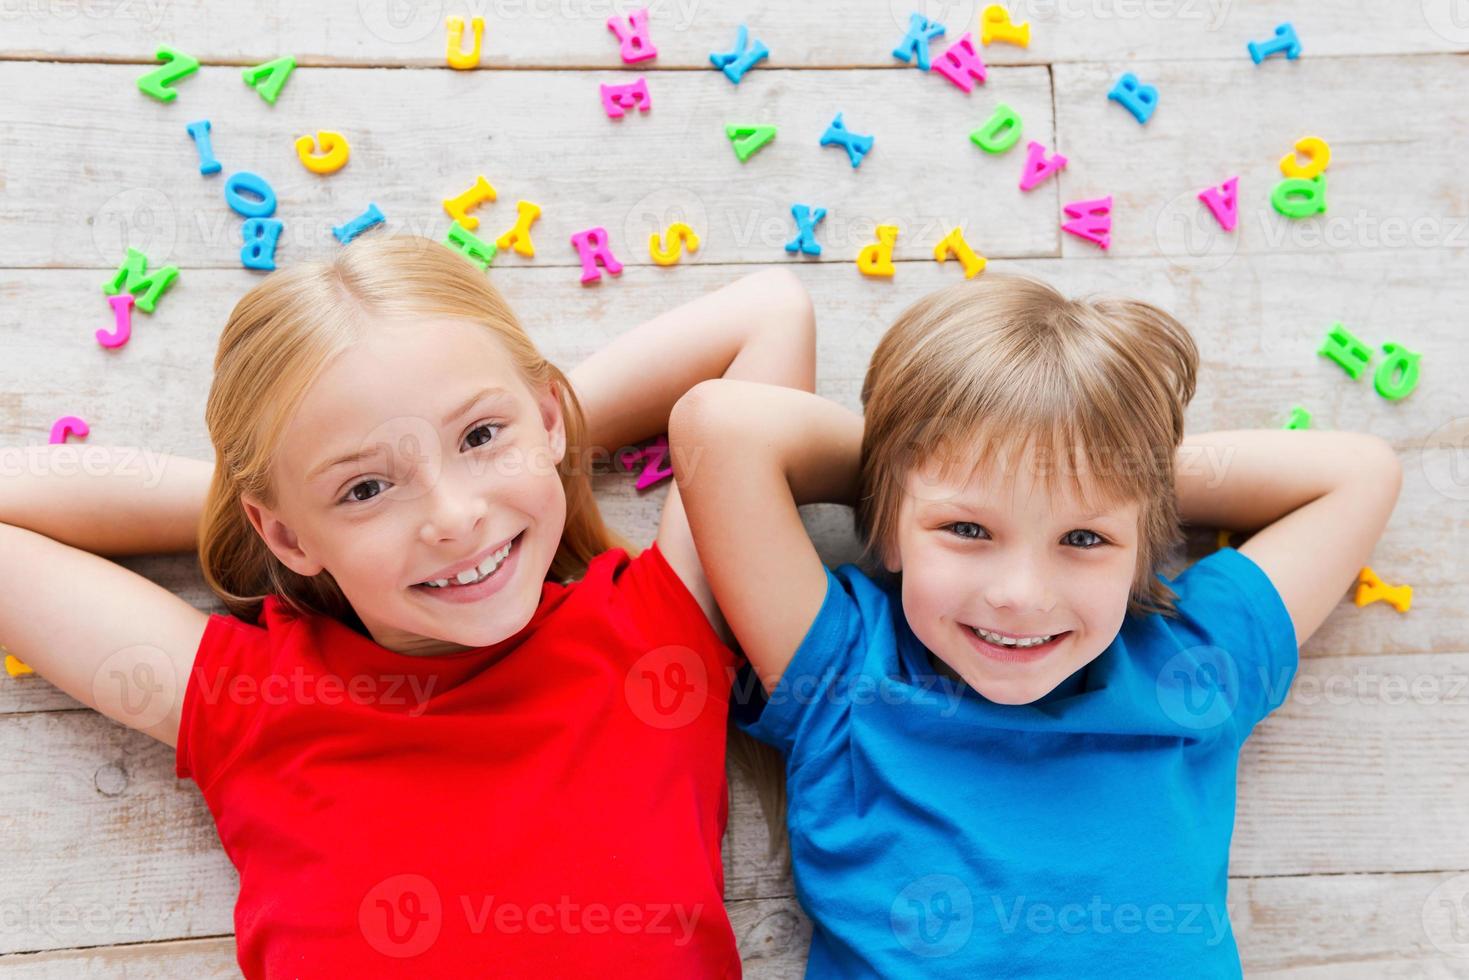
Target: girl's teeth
x,y
472,575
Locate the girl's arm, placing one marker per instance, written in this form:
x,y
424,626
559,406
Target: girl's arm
x,y
759,328
1320,500
757,452
108,637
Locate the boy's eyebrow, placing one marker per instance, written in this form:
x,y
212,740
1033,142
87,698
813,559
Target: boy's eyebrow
x,y
958,504
469,403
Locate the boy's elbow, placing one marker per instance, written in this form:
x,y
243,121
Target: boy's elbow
x,y
698,415
1384,460
789,293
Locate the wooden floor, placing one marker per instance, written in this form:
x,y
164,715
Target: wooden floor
x,y
1351,856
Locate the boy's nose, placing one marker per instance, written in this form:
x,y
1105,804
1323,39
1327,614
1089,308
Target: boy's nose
x,y
1024,587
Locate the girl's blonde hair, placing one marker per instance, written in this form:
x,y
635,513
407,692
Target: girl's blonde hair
x,y
984,368
282,335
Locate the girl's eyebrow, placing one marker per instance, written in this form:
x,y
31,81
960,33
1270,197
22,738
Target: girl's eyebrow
x,y
361,454
472,401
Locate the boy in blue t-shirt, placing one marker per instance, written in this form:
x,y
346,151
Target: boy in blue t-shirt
x,y
1011,747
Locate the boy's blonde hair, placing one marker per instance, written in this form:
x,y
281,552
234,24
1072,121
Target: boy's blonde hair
x,y
281,336
984,368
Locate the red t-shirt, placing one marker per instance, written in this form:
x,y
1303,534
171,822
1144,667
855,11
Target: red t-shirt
x,y
550,806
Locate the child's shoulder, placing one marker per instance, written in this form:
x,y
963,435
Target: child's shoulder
x,y
1230,633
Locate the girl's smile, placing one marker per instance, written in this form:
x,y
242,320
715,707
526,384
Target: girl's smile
x,y
486,575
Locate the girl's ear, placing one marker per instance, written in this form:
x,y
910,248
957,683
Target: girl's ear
x,y
554,420
279,538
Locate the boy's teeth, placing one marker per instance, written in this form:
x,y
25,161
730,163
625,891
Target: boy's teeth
x,y
996,638
471,575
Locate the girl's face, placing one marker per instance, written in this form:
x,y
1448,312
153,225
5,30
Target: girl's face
x,y
420,471
991,556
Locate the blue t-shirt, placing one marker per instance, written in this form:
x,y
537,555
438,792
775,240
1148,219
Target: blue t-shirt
x,y
935,833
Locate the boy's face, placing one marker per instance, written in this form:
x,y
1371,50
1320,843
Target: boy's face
x,y
456,471
990,552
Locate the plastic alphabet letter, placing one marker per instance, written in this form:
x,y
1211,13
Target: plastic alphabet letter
x,y
333,154
954,245
1370,589
260,235
367,219
914,46
457,207
1397,376
458,58
518,238
470,245
199,132
633,35
806,222
1135,97
961,65
242,183
634,95
1037,167
1346,350
1091,220
657,468
877,259
176,65
1317,153
1296,198
1223,202
856,146
68,425
679,236
269,78
122,320
592,246
748,139
1285,40
1000,132
735,63
1299,419
130,278
995,25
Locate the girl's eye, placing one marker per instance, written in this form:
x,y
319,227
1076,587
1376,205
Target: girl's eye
x,y
483,434
967,530
1083,539
371,487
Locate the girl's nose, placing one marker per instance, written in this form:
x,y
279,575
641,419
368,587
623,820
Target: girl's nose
x,y
453,512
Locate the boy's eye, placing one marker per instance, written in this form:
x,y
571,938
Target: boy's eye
x,y
966,529
481,435
1083,539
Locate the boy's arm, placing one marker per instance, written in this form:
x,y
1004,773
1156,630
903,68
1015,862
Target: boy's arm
x,y
754,452
1319,499
760,328
105,635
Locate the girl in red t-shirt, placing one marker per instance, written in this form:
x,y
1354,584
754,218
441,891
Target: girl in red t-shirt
x,y
447,727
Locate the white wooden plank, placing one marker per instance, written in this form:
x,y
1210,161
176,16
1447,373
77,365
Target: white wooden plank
x,y
94,166
565,33
1393,184
202,959
1356,927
